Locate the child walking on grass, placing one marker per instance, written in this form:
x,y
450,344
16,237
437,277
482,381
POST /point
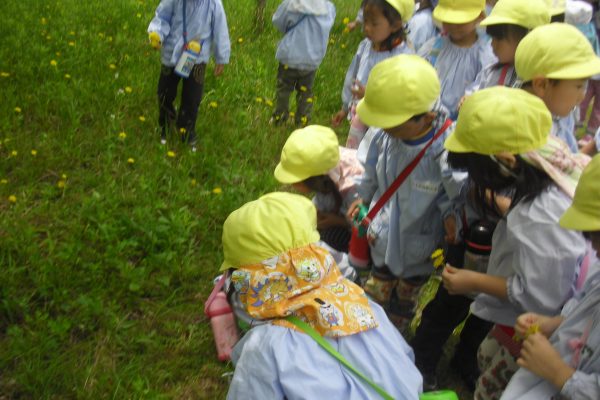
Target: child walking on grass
x,y
306,25
383,27
313,162
180,25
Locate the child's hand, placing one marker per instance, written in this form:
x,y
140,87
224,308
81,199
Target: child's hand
x,y
458,281
358,90
538,356
450,228
352,25
338,118
547,325
154,38
353,209
219,69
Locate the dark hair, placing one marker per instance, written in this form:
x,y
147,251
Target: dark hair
x,y
558,18
529,84
324,184
485,174
417,117
507,31
393,16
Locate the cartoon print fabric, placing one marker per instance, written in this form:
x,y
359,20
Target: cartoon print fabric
x,y
305,282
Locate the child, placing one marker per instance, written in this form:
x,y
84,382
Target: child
x,y
562,360
280,270
206,25
507,25
402,98
461,54
305,25
554,62
501,139
313,162
421,27
385,37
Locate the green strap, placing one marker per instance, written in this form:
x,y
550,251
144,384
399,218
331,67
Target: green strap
x,y
310,331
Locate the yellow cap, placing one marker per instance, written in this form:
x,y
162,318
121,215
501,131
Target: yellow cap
x,y
266,227
584,213
398,89
406,8
555,51
310,151
556,7
500,119
526,13
458,11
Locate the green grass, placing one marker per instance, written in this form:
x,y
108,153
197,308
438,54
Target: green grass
x,y
105,263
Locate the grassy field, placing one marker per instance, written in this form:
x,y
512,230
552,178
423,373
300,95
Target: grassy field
x,y
108,240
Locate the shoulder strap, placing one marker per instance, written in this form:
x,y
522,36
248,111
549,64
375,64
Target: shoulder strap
x,y
310,331
296,24
403,175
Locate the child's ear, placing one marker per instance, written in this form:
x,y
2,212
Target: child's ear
x,y
540,86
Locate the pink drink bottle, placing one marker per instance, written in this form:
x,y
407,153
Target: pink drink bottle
x,y
223,325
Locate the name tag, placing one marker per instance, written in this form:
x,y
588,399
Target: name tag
x,y
426,186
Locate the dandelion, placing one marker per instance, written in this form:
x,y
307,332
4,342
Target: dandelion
x,y
438,258
14,153
259,99
304,120
64,176
72,44
269,103
18,109
217,190
241,40
34,152
139,15
43,21
53,63
72,33
3,181
57,54
4,74
112,66
331,41
343,45
61,184
182,130
130,160
101,34
48,37
122,135
109,39
303,88
292,114
193,182
12,198
309,100
346,30
346,21
142,118
67,76
171,153
213,104
128,89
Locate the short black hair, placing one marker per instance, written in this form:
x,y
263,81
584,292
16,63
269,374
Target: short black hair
x,y
507,31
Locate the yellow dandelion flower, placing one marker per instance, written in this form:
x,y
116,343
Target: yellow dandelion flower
x,y
346,30
343,45
4,181
57,54
34,152
48,37
4,74
303,88
18,109
12,198
122,135
437,253
112,66
130,160
109,39
241,40
14,153
128,89
64,176
438,262
346,21
61,184
331,41
170,153
534,328
309,100
142,118
259,99
269,103
304,120
139,15
213,104
182,130
67,76
72,33
101,34
43,21
72,44
292,114
217,190
53,63
193,182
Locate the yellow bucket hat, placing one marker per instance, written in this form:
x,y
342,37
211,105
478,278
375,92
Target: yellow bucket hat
x,y
584,213
266,227
398,89
406,8
556,7
555,51
310,151
500,119
528,14
458,11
